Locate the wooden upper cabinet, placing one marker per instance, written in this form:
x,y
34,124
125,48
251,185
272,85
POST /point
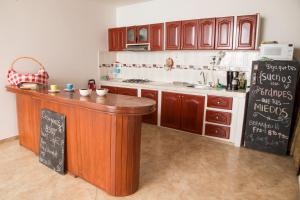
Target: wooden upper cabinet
x,y
173,35
192,109
224,33
246,27
117,39
142,34
157,37
206,33
170,110
131,35
138,34
189,34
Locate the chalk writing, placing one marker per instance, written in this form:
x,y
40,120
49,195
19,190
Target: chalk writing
x,y
52,140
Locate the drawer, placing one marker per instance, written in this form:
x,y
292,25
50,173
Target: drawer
x,y
218,117
219,102
217,131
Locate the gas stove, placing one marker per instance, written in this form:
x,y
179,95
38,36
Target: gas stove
x,y
136,80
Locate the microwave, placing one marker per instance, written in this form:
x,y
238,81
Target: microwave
x,y
277,51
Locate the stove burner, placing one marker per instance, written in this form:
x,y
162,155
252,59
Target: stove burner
x,y
136,81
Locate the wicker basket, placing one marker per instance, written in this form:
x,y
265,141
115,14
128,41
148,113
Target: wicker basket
x,y
15,78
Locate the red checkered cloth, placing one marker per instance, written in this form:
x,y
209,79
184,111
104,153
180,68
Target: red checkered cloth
x,y
15,78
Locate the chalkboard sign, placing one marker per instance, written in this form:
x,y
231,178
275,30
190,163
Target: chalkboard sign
x,y
52,140
270,107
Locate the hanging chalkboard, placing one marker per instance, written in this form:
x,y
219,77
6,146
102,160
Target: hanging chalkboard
x,y
52,140
270,107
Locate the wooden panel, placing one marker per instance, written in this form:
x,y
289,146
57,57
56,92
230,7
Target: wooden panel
x,y
35,122
246,27
224,33
27,137
217,131
173,35
171,110
189,34
142,34
219,102
111,89
157,37
206,33
151,94
131,35
127,91
125,155
218,117
192,110
94,137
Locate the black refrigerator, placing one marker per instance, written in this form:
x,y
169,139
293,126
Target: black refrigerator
x,y
271,105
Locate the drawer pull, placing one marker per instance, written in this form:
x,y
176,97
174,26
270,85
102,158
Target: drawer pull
x,y
217,117
218,102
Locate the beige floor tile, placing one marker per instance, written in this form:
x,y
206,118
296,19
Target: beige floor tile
x,y
174,166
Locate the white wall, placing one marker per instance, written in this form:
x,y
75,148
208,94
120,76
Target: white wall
x,y
280,17
65,35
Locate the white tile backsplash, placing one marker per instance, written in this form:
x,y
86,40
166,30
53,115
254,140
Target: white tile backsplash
x,y
234,60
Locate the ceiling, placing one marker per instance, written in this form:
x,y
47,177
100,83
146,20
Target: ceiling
x,y
124,2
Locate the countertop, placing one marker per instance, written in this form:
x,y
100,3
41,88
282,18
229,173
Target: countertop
x,y
169,86
110,103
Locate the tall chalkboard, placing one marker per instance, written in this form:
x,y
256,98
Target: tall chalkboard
x,y
52,140
270,105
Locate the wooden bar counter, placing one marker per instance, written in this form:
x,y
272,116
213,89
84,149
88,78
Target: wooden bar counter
x,y
103,134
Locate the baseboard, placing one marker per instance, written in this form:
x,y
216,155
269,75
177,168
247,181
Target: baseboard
x,y
9,139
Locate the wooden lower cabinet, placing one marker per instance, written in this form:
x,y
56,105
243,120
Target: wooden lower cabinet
x,y
192,109
119,90
151,94
127,91
111,89
181,111
171,110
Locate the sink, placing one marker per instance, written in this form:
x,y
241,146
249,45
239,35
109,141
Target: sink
x,y
198,86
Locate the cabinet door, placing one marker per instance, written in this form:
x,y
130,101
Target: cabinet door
x,y
151,94
170,110
157,37
131,35
189,34
206,33
116,39
246,32
192,109
122,39
142,34
127,91
113,38
224,32
173,34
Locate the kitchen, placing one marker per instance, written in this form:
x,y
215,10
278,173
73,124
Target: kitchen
x,y
173,72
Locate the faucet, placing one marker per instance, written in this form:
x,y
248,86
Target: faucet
x,y
204,81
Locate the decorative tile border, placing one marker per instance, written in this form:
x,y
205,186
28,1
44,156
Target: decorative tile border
x,y
191,67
